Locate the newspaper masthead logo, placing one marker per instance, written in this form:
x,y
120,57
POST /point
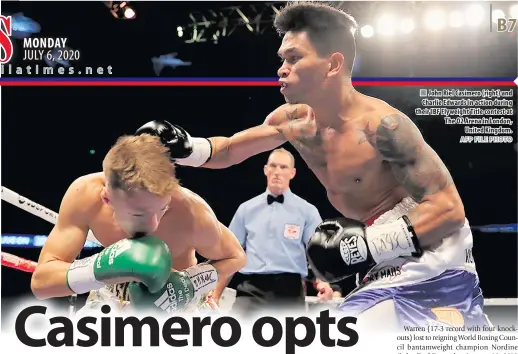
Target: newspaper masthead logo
x,y
6,45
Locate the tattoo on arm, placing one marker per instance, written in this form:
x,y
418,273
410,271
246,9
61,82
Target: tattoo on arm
x,y
301,130
294,126
414,164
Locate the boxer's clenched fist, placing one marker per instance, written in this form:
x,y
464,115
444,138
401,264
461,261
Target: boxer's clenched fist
x,y
183,149
145,258
179,291
174,137
342,247
338,249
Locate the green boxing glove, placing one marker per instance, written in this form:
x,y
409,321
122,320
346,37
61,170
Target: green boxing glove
x,y
145,258
179,291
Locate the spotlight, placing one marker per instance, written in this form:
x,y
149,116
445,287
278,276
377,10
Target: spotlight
x,y
456,19
386,25
407,25
121,9
129,13
513,11
435,20
475,15
367,31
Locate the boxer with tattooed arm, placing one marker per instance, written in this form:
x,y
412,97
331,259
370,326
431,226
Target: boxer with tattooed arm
x,y
403,229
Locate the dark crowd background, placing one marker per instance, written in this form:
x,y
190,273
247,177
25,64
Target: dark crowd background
x,y
48,132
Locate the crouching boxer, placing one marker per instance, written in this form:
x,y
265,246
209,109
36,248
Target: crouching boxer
x,y
150,227
399,280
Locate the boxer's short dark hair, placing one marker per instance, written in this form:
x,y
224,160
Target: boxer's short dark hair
x,y
330,29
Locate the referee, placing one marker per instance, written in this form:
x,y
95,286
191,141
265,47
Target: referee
x,y
274,229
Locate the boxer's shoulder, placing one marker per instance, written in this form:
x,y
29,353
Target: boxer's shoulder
x,y
84,194
289,112
89,182
82,200
380,113
187,209
385,122
189,199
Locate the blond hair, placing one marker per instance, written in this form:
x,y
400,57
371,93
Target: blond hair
x,y
140,162
284,151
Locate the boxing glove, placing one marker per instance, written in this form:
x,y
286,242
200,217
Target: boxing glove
x,y
146,258
183,149
181,289
342,247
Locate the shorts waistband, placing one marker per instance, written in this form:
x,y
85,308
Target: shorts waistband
x,y
371,220
120,291
400,208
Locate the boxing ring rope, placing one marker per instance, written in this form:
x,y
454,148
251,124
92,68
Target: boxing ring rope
x,y
11,261
36,209
15,262
18,263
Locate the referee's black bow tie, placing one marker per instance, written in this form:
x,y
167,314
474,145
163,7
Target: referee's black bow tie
x,y
271,198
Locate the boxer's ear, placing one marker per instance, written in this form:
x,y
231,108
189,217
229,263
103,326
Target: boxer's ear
x,y
104,196
336,63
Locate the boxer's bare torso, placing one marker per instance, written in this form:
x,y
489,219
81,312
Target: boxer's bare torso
x,y
359,182
175,228
184,221
369,157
